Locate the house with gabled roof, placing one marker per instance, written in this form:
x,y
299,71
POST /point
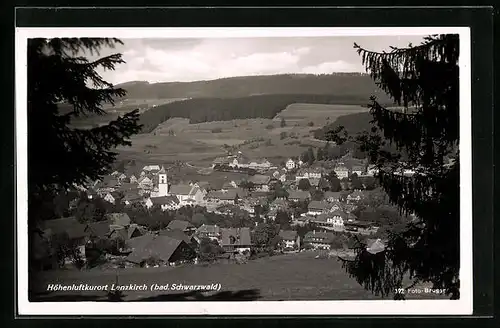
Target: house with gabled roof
x,y
203,185
221,161
319,239
166,202
98,230
110,198
260,164
358,169
133,179
145,182
341,171
261,182
164,249
187,194
135,230
180,235
132,197
236,240
290,164
70,227
332,196
212,232
338,206
355,196
361,227
309,173
290,239
298,195
316,207
337,218
151,168
351,217
181,225
228,197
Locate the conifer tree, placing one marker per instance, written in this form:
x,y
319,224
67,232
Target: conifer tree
x,y
63,85
424,81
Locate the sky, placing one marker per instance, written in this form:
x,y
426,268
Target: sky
x,y
193,59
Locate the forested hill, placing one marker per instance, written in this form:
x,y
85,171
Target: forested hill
x,y
199,110
337,84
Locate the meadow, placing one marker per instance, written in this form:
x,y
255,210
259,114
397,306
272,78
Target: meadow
x,y
286,277
198,144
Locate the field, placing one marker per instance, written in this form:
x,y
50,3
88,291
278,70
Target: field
x,y
199,144
287,277
317,113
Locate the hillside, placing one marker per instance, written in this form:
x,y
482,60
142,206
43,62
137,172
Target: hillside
x,y
339,83
353,124
200,110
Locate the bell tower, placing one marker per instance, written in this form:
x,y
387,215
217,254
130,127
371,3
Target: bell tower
x,y
162,183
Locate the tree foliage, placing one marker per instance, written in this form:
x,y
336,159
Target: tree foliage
x,y
304,184
59,154
334,181
424,81
283,219
209,250
64,248
266,237
356,182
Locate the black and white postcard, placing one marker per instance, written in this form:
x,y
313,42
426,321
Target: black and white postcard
x,y
244,171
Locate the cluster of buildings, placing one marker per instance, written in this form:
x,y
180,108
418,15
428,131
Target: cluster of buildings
x,y
150,186
176,244
240,161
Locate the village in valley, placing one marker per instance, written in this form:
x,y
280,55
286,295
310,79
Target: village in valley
x,y
240,168
145,217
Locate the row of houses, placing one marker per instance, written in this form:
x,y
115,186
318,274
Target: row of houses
x,y
177,243
152,182
241,161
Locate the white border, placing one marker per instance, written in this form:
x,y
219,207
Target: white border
x,y
382,307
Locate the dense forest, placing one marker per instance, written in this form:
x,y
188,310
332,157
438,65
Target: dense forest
x,y
338,83
200,110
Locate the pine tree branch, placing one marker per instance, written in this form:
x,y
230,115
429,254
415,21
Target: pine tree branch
x,y
425,45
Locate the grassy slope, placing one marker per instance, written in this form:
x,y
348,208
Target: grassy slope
x,y
197,144
287,277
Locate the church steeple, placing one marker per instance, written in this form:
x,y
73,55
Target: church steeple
x,y
162,182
